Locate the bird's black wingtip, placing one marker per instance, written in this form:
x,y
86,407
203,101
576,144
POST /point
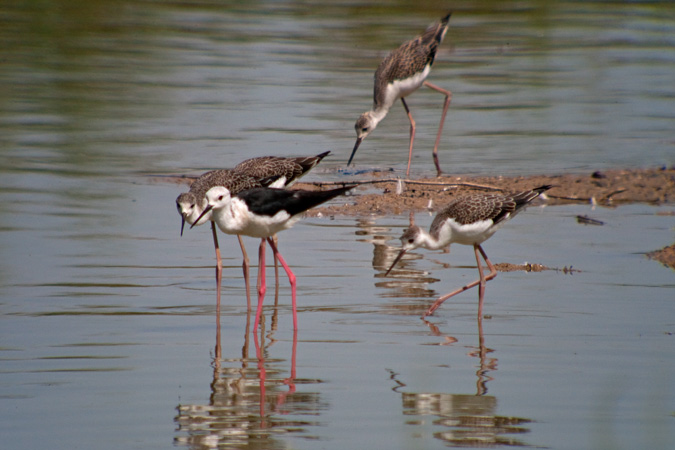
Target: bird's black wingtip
x,y
543,188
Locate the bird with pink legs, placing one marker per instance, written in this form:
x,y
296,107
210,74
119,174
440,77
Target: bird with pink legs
x,y
261,213
400,74
467,220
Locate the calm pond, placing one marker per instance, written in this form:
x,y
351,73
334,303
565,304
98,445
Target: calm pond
x,y
108,334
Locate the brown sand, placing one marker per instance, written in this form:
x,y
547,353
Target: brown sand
x,y
612,187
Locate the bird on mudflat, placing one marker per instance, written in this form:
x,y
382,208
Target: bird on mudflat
x,y
263,212
467,220
400,74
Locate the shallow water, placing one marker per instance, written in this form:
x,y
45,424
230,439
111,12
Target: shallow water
x,y
108,337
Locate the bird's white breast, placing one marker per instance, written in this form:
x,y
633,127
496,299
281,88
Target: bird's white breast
x,y
235,218
403,88
469,234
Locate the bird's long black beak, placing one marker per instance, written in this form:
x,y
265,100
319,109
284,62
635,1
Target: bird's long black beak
x,y
356,147
206,210
182,224
398,258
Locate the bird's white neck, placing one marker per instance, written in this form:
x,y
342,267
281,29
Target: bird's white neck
x,y
228,218
378,113
428,241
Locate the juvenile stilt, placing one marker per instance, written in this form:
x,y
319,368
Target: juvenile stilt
x,y
400,74
468,220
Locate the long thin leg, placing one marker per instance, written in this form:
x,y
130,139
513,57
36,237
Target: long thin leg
x,y
290,381
257,284
412,135
245,267
218,350
291,278
483,278
448,97
262,287
260,356
219,268
276,273
488,277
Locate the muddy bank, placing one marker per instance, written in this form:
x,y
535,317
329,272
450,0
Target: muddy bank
x,y
611,187
606,188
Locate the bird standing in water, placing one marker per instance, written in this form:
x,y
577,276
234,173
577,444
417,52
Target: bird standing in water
x,y
400,74
262,171
262,213
467,220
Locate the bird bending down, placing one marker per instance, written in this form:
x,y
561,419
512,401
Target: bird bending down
x,y
263,212
286,171
255,172
467,220
191,205
400,74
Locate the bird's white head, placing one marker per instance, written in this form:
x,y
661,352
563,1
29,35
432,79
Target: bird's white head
x,y
217,198
411,239
365,124
189,208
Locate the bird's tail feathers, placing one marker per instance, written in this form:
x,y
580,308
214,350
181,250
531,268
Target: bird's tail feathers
x,y
309,162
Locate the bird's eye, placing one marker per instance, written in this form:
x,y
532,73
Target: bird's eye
x,y
410,241
364,129
220,198
192,206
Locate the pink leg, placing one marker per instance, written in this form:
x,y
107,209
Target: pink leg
x,y
245,267
290,381
262,374
276,274
491,275
262,287
483,279
219,268
291,278
481,284
448,97
412,135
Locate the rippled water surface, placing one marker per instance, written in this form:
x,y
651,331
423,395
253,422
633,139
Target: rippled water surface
x,y
108,334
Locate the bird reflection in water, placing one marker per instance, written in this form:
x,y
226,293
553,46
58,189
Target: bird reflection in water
x,y
252,399
467,420
407,282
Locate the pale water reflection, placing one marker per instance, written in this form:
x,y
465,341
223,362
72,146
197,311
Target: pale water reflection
x,y
252,401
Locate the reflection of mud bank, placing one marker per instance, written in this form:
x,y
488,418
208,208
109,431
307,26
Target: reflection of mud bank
x,y
665,256
531,267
